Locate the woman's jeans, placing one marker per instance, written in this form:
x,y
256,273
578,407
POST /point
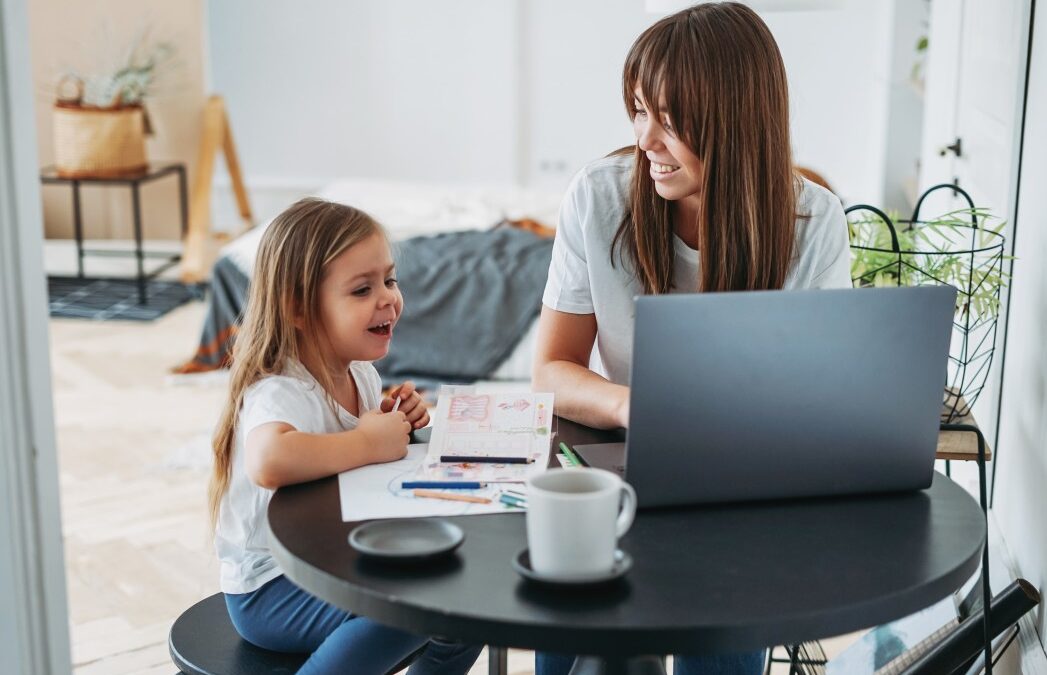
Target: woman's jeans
x,y
747,663
282,617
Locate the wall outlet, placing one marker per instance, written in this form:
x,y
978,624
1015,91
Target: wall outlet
x,y
552,165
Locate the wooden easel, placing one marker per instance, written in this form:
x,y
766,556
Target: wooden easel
x,y
216,135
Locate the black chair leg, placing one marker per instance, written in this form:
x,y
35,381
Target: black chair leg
x,y
497,660
408,660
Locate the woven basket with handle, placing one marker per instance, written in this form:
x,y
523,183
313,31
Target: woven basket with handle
x,y
97,142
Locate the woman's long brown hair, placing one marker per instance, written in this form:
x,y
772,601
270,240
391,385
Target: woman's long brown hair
x,y
724,86
292,259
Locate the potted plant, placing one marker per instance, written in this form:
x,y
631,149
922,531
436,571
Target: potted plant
x,y
100,120
963,249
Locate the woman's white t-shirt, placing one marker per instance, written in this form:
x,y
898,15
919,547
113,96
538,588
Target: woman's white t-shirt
x,y
582,279
297,399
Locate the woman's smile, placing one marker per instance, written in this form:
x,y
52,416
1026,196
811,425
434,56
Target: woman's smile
x,y
660,172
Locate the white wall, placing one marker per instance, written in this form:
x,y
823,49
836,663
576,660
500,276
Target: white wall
x,y
839,76
904,131
1021,500
395,89
573,55
515,91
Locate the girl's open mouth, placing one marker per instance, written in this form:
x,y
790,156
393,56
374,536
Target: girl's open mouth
x,y
382,329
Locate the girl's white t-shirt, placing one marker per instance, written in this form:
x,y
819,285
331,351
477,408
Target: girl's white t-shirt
x,y
295,398
582,279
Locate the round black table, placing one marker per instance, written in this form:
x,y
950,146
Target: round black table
x,y
704,580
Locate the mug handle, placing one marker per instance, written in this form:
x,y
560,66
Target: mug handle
x,y
628,513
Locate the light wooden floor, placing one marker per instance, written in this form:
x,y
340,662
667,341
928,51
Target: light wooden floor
x,y
133,479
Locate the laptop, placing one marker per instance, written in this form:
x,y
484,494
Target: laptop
x,y
783,394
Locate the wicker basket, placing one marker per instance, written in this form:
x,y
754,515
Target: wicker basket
x,y
99,142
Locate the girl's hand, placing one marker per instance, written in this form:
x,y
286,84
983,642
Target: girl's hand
x,y
386,433
411,404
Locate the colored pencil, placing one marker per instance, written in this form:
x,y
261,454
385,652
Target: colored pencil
x,y
484,459
569,454
510,500
442,485
433,494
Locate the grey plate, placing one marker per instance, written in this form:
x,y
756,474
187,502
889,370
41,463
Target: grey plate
x,y
406,538
623,562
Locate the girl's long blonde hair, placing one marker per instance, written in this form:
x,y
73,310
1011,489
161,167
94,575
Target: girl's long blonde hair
x,y
292,257
725,89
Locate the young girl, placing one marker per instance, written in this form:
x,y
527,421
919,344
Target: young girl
x,y
707,200
304,403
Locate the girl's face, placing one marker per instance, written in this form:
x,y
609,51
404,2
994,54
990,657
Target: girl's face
x,y
360,302
675,169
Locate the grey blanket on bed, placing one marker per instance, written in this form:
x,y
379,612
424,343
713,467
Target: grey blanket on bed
x,y
469,297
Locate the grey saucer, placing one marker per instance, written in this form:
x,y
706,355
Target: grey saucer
x,y
623,562
406,539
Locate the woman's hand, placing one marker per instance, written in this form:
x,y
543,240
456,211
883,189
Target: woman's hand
x,y
386,434
411,404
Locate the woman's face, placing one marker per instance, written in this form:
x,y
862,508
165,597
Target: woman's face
x,y
675,169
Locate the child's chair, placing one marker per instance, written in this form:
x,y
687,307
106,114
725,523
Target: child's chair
x,y
203,642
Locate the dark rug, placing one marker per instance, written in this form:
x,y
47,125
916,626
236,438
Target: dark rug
x,y
116,299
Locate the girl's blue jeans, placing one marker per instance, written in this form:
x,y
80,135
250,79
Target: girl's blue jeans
x,y
747,663
282,617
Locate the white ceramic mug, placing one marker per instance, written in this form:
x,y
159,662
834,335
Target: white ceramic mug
x,y
574,520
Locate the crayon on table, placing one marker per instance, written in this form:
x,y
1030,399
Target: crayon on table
x,y
435,494
569,454
510,500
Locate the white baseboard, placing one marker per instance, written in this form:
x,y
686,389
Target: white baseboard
x,y
267,196
1003,569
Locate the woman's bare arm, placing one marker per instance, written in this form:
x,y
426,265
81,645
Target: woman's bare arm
x,y
561,365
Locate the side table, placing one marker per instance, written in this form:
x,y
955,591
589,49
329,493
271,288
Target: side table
x,y
50,176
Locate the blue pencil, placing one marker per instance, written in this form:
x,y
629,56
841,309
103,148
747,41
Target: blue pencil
x,y
445,485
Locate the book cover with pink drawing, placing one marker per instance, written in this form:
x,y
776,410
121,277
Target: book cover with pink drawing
x,y
475,428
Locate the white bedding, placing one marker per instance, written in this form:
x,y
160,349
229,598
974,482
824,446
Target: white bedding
x,y
413,209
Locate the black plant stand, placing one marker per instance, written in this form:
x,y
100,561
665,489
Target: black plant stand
x,y
50,176
960,437
968,426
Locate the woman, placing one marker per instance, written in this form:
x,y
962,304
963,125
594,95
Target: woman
x,y
706,201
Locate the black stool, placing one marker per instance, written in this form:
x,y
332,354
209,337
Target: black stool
x,y
204,642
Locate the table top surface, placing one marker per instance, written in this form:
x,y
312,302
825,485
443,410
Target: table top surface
x,y
704,579
50,174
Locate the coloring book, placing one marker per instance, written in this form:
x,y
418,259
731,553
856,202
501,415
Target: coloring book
x,y
467,423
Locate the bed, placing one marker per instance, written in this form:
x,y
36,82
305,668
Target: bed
x,y
481,222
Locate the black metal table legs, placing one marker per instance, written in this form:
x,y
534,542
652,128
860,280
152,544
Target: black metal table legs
x,y
637,665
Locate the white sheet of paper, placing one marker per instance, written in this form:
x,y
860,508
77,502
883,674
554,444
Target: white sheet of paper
x,y
373,491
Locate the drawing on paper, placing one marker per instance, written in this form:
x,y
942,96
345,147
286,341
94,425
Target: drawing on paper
x,y
519,405
375,491
467,424
467,408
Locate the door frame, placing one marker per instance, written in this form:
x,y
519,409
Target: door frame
x,y
34,633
